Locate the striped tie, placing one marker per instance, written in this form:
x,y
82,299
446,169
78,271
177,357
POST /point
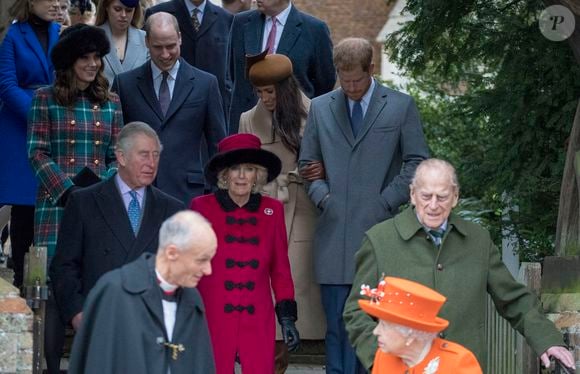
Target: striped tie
x,y
437,236
134,211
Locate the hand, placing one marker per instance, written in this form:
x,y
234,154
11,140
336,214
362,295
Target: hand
x,y
312,171
290,334
559,352
77,320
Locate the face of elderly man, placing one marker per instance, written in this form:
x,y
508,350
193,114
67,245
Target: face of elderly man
x,y
433,196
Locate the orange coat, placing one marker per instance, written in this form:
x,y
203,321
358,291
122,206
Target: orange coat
x,y
445,357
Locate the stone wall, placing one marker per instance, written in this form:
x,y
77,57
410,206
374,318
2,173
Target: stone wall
x,y
15,331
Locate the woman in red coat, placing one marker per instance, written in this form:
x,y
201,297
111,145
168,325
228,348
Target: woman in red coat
x,y
407,331
251,260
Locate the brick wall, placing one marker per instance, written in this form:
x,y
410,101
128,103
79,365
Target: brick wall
x,y
15,332
345,18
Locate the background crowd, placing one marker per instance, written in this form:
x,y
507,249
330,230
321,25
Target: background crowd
x,y
125,112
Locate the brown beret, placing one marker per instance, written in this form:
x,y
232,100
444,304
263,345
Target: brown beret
x,y
264,69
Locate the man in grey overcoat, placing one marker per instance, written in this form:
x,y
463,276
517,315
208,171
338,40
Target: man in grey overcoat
x,y
148,317
369,139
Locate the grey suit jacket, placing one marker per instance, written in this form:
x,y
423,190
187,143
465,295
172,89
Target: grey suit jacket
x,y
96,236
195,113
367,177
305,40
135,55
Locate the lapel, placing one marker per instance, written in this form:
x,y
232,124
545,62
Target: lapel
x,y
112,57
134,47
184,84
209,18
376,105
291,32
341,116
253,30
110,203
30,38
145,86
184,18
184,316
153,213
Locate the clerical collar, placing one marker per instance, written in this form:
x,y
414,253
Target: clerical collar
x,y
228,205
165,285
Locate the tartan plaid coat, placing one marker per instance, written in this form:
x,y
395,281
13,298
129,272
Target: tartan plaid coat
x,y
61,141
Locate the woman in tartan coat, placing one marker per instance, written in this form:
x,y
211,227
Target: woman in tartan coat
x,y
71,125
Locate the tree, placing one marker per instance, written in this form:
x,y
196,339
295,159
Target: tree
x,y
497,100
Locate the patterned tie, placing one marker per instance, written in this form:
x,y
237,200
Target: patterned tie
x,y
437,236
272,37
356,118
164,96
134,211
195,20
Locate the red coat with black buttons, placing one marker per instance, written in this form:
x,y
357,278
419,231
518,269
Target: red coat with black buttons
x,y
251,262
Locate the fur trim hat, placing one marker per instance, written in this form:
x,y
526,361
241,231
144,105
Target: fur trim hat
x,y
265,69
406,303
76,41
242,149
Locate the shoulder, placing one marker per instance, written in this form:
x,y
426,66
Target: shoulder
x,y
308,19
170,200
167,6
44,93
268,202
203,201
457,354
470,229
114,98
221,12
326,98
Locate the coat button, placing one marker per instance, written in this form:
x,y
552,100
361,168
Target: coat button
x,y
72,141
97,124
96,162
444,345
96,107
439,267
73,122
442,335
72,160
97,142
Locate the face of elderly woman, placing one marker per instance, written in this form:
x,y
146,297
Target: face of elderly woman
x,y
268,96
44,9
119,15
241,179
86,68
389,339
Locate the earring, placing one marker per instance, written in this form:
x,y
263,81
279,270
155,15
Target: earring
x,y
408,342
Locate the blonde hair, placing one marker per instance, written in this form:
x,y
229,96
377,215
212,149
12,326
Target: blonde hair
x,y
261,178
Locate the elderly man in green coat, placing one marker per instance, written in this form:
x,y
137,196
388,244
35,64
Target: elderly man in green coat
x,y
430,245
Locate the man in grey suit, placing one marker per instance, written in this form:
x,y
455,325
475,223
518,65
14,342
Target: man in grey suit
x,y
281,28
182,103
100,230
369,139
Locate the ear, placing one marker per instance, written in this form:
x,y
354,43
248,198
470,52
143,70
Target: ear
x,y
172,252
412,195
455,198
121,159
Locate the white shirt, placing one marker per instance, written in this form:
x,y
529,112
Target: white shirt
x,y
191,7
157,75
281,19
169,307
365,100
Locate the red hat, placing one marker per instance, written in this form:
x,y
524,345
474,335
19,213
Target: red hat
x,y
242,149
406,303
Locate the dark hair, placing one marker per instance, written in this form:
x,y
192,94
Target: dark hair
x,y
290,112
66,90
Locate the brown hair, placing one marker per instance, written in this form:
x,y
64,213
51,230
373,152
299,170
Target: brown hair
x,y
351,53
102,16
66,90
21,10
290,112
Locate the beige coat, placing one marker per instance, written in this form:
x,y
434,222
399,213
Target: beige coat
x,y
300,215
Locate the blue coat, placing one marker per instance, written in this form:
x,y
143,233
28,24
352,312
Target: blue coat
x,y
23,67
305,40
195,113
207,48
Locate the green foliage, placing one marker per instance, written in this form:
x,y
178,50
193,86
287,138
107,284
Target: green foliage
x,y
497,99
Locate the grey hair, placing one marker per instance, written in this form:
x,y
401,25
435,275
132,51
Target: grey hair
x,y
409,332
441,165
261,178
130,131
182,229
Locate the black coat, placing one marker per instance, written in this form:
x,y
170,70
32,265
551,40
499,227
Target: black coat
x,y
123,329
96,237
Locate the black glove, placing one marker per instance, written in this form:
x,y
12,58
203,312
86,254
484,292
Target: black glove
x,y
286,312
64,198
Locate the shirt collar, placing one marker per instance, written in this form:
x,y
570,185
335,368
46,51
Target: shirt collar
x,y
191,7
156,72
165,285
282,17
125,189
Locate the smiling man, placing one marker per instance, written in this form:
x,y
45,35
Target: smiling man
x,y
147,317
110,223
430,245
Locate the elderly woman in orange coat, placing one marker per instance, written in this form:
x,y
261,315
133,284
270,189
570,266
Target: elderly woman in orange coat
x,y
407,331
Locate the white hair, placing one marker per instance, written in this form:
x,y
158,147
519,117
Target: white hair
x,y
183,229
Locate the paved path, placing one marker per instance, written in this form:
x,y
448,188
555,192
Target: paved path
x,y
301,369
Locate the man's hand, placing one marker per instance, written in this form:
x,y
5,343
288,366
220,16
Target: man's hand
x,y
77,320
561,353
312,171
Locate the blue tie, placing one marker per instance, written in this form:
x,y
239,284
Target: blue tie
x,y
356,118
134,211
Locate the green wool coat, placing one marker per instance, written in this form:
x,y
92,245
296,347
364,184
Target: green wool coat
x,y
464,269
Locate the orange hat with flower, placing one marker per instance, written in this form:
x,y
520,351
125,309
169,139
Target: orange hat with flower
x,y
405,302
